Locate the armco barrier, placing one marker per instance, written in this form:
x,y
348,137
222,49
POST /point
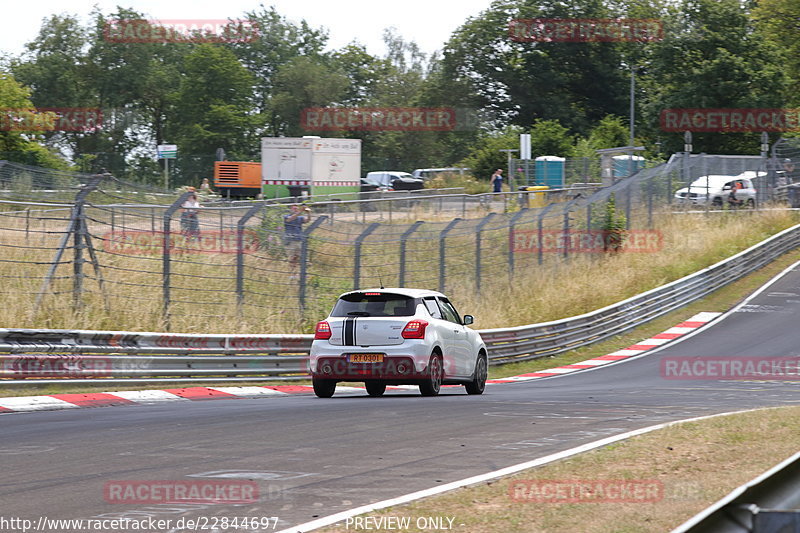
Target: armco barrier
x,y
74,355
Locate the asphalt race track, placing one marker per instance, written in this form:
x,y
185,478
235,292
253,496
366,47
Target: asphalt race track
x,y
313,457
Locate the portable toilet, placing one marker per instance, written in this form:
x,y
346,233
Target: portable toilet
x,y
550,171
625,165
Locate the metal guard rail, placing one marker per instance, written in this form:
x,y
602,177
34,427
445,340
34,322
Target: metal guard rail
x,y
73,354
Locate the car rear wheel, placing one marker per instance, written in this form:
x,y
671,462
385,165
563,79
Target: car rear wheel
x,y
324,388
478,383
433,384
750,204
375,388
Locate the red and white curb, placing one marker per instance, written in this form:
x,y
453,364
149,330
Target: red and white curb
x,y
697,321
102,399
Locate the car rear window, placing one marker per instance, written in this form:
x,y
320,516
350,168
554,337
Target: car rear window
x,y
375,304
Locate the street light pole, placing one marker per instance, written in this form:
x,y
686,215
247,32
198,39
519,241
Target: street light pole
x,y
510,172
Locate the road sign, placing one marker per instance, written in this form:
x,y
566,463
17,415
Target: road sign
x,y
167,151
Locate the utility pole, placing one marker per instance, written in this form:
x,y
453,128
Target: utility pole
x,y
510,170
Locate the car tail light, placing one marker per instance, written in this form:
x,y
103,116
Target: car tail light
x,y
414,329
323,331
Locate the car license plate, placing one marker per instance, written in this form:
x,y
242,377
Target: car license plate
x,y
366,358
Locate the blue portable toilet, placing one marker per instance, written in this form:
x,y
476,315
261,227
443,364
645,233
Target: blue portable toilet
x,y
550,171
625,165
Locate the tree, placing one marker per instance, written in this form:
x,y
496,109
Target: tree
x,y
486,157
213,104
16,145
778,22
278,41
301,83
574,83
549,137
711,58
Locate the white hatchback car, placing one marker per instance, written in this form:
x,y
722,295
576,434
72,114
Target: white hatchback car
x,y
397,337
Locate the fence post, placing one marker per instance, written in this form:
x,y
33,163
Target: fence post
x,y
357,251
166,249
77,263
478,233
540,231
442,236
650,202
403,238
304,259
511,225
240,224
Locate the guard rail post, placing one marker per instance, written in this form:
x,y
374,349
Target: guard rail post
x,y
403,240
478,234
357,253
442,255
165,259
301,294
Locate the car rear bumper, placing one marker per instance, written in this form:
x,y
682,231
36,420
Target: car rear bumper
x,y
391,368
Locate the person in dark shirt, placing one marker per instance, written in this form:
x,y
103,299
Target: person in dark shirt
x,y
293,232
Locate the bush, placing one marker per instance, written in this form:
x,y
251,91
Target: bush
x,y
448,180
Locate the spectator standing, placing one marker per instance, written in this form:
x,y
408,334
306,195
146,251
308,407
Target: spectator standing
x,y
293,233
497,180
189,221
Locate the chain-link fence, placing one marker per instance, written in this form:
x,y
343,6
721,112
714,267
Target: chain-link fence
x,y
83,243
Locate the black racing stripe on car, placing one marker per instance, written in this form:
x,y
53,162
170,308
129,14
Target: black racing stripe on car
x,y
349,331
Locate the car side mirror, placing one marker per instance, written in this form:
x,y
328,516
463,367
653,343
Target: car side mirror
x,y
468,319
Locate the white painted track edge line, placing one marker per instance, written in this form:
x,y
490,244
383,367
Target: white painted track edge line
x,y
513,469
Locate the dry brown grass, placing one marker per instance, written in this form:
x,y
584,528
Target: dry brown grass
x,y
132,298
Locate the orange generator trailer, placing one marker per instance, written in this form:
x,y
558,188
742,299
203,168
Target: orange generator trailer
x,y
237,178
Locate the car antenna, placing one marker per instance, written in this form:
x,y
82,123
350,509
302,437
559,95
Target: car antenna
x,y
381,282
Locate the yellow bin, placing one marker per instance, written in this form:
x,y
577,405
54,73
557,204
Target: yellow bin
x,y
537,199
